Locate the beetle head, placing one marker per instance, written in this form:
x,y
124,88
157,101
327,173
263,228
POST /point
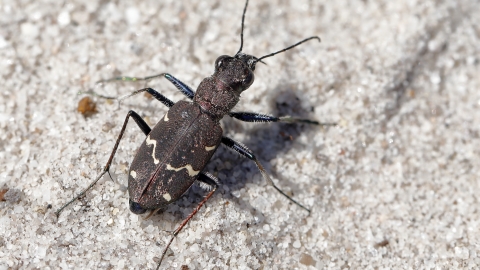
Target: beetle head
x,y
237,71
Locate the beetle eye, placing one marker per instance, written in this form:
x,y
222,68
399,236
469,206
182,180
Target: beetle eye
x,y
248,80
219,61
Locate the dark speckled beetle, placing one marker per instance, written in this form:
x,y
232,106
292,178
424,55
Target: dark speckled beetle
x,y
177,149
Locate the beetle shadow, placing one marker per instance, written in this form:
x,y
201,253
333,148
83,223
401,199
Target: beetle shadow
x,y
267,141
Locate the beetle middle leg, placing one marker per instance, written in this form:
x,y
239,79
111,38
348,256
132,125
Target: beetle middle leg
x,y
208,182
257,117
146,130
244,151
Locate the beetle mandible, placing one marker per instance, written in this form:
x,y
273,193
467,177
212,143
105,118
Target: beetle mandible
x,y
175,152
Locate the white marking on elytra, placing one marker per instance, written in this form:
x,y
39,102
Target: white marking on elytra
x,y
148,142
209,148
188,167
167,197
133,174
166,117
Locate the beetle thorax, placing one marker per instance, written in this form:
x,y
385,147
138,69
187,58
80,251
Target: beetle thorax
x,y
216,97
218,94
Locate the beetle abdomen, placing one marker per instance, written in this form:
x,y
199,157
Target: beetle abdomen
x,y
166,155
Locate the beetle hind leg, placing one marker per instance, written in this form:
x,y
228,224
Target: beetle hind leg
x,y
207,180
152,212
146,130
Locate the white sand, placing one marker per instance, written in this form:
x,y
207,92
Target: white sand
x,y
391,187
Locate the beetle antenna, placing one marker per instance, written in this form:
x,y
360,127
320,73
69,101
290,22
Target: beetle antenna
x,y
243,21
286,49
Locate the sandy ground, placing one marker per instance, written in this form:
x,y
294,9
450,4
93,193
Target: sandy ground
x,y
391,187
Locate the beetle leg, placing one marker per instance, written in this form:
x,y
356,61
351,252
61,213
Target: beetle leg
x,y
208,180
185,89
257,117
152,212
167,102
146,130
244,151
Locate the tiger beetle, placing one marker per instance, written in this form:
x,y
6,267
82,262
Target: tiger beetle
x,y
177,149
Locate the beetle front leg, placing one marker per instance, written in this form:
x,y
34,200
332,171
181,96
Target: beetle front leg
x,y
146,130
244,151
258,117
185,89
154,93
208,182
167,102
